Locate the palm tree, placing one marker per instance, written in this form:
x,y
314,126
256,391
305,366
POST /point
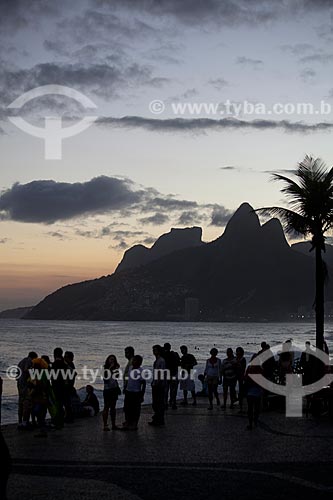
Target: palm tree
x,y
310,198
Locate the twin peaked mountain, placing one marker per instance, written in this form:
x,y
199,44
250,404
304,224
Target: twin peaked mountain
x,y
249,272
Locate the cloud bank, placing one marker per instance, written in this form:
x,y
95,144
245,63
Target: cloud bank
x,y
48,201
205,124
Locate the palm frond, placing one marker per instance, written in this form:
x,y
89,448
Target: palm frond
x,y
291,221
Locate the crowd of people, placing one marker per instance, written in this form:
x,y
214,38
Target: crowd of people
x,y
172,371
38,393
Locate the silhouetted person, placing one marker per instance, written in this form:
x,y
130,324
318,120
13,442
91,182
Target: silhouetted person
x,y
24,400
134,394
286,359
172,362
59,367
241,368
263,347
308,364
187,363
46,359
158,387
39,390
269,366
204,386
69,386
229,372
253,394
111,391
129,355
91,402
213,374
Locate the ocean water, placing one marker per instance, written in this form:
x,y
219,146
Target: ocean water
x,y
92,342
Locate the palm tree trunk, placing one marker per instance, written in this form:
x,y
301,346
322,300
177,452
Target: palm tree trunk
x,y
320,282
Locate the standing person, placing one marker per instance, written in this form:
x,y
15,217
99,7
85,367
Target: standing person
x,y
111,391
134,394
59,368
253,394
187,363
241,368
158,387
263,347
129,355
307,364
268,368
213,376
229,372
69,386
24,401
39,394
286,359
172,361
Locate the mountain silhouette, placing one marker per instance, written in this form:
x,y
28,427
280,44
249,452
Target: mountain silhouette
x,y
250,272
176,239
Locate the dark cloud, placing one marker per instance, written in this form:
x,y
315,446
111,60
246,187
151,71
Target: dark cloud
x,y
168,203
18,14
121,235
106,26
122,245
248,61
157,219
189,217
104,16
117,235
86,233
229,167
318,57
100,79
218,83
47,201
226,12
58,235
149,241
3,240
220,216
202,125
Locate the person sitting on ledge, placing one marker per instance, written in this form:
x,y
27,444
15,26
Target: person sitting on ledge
x,y
91,402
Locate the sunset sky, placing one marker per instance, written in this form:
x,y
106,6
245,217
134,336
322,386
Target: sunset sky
x,y
134,173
